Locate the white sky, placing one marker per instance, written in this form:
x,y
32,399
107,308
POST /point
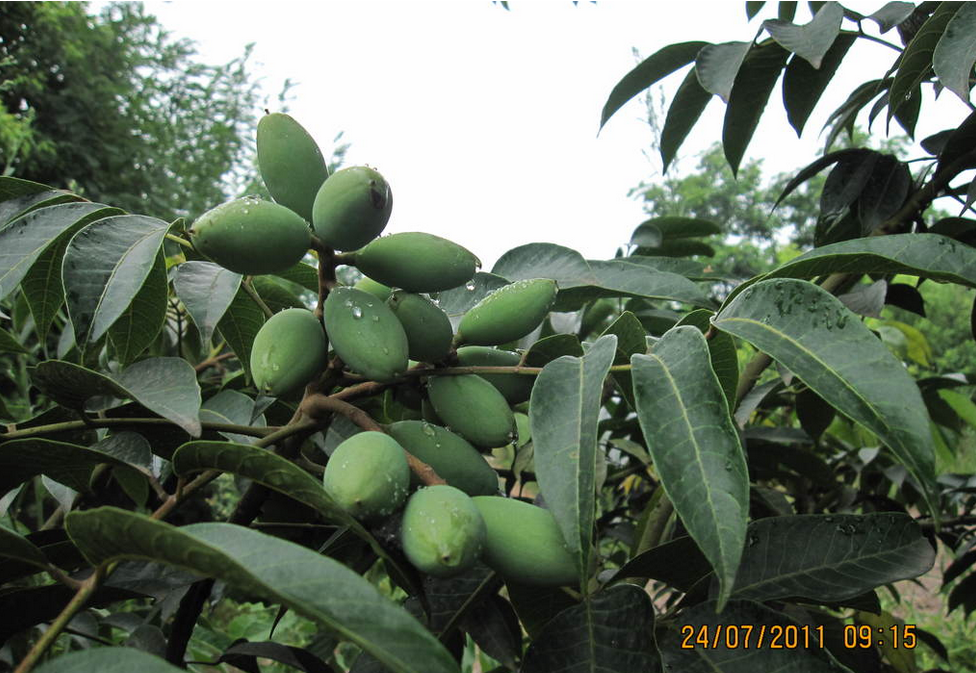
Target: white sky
x,y
484,121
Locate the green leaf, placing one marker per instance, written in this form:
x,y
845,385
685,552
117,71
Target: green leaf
x,y
810,41
685,419
316,587
717,66
547,349
68,464
108,660
892,14
142,321
721,352
166,386
845,116
915,64
646,235
15,546
459,300
19,206
961,141
610,631
621,278
545,260
658,563
846,181
686,108
740,620
129,447
809,331
753,8
563,414
884,192
23,241
631,338
655,67
754,82
302,274
961,404
104,267
9,344
206,290
239,325
803,85
830,557
689,268
231,406
955,52
679,227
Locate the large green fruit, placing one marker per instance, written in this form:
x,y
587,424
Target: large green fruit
x,y
378,290
292,165
452,457
367,475
365,334
428,328
416,262
352,207
289,350
443,533
515,387
508,313
473,408
251,236
524,543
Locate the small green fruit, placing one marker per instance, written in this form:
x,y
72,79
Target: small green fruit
x,y
524,543
367,475
508,313
473,408
289,351
365,334
378,290
292,165
515,387
352,207
251,236
452,457
443,533
416,262
428,328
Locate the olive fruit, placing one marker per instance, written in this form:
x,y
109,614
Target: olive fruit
x,y
289,351
352,207
365,334
515,387
428,328
292,165
508,313
452,457
367,475
251,236
416,262
378,290
442,531
473,408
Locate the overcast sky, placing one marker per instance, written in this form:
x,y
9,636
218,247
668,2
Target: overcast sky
x,y
484,121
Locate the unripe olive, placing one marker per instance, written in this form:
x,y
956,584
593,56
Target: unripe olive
x,y
289,350
515,387
378,290
367,475
473,408
428,328
452,457
508,313
365,334
291,163
352,207
416,262
443,533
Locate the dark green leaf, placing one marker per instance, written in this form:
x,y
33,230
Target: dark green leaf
x,y
680,227
239,325
814,414
9,344
68,464
830,557
71,385
276,294
302,274
655,67
631,339
646,235
721,352
563,412
537,606
206,291
814,168
104,266
108,660
679,248
545,260
964,595
129,447
610,631
686,108
754,82
451,598
14,546
810,41
139,325
167,386
846,181
717,66
243,654
621,278
906,297
753,8
936,142
891,15
312,585
915,65
231,406
23,241
803,85
884,193
845,116
787,10
800,325
955,52
959,143
694,445
659,564
495,628
545,350
689,268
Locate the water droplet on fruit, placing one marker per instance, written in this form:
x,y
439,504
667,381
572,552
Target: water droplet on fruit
x,y
429,431
357,312
376,318
348,303
469,286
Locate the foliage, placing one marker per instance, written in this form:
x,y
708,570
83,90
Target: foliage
x,y
752,502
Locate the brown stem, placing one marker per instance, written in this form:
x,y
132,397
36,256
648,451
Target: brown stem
x,y
326,272
210,362
253,294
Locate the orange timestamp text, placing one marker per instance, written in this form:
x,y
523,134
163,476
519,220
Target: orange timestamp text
x,y
793,636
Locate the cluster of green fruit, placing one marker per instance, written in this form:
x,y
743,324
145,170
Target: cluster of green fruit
x,y
376,328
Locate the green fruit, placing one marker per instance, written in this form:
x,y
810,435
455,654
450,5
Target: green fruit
x,y
523,429
524,543
508,313
428,328
292,165
416,262
473,408
515,387
367,475
289,351
442,532
452,457
351,208
378,290
365,334
251,236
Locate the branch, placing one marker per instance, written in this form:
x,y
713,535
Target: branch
x,y
246,284
123,422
